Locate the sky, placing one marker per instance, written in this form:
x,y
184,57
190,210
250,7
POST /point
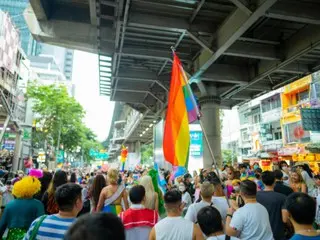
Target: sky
x,y
98,109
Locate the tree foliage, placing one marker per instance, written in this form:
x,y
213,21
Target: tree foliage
x,y
147,154
58,114
228,156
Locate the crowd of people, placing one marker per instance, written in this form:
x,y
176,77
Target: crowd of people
x,y
235,202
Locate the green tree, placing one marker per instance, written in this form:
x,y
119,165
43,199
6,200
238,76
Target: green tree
x,y
147,154
228,156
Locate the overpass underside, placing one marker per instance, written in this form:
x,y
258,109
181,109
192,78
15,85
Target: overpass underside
x,y
232,50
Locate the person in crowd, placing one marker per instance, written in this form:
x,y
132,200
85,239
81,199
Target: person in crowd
x,y
73,178
18,177
90,180
45,182
219,199
186,198
196,182
210,222
69,200
6,193
187,180
20,212
279,186
296,182
284,168
152,199
274,203
98,226
138,220
206,192
111,196
302,211
174,227
250,221
228,182
50,206
257,178
307,176
255,166
99,182
243,168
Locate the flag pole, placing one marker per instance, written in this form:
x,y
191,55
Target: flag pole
x,y
201,125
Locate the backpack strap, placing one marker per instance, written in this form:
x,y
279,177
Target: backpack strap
x,y
35,230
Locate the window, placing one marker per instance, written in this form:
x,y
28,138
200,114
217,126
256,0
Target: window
x,y
244,135
277,135
292,131
302,96
256,118
271,103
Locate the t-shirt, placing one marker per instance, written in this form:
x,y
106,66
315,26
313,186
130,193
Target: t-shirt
x,y
53,227
221,237
186,198
301,237
174,228
280,187
252,221
274,203
194,208
221,204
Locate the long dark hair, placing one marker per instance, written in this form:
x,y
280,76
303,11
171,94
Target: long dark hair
x,y
98,184
73,177
308,170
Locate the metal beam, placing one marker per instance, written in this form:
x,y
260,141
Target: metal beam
x,y
236,25
140,91
93,12
174,24
200,42
294,48
226,74
195,12
295,68
242,5
296,12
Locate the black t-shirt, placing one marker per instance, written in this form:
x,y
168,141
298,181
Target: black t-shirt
x,y
281,188
273,202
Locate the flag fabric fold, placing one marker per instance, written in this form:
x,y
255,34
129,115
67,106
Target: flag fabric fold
x,y
182,110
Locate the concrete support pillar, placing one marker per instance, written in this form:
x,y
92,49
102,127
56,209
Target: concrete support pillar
x,y
17,161
211,123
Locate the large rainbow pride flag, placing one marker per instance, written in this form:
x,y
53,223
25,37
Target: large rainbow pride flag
x,y
182,110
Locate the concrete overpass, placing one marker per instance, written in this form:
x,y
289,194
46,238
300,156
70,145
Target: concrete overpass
x,y
233,50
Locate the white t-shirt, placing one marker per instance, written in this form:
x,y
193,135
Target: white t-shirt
x,y
186,198
221,204
194,208
252,221
174,228
221,237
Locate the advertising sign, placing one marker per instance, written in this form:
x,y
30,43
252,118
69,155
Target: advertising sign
x,y
196,148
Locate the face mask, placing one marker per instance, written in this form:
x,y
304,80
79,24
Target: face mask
x,y
255,167
182,188
284,168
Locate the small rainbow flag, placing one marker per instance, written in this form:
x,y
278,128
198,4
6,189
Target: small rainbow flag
x,y
182,110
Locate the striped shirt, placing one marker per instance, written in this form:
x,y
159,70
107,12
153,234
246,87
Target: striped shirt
x,y
52,228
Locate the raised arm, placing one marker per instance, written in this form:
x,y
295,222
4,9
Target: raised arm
x,y
102,198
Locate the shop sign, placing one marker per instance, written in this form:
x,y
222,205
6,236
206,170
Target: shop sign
x,y
27,134
196,146
297,84
289,151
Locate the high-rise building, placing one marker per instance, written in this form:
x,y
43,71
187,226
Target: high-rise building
x,y
64,57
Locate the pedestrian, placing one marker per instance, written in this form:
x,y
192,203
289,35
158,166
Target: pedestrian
x,y
296,182
45,182
138,220
69,200
284,168
99,182
307,176
210,222
187,180
274,203
302,212
250,221
97,226
219,199
152,200
280,187
20,212
111,196
73,178
50,206
186,198
206,192
174,227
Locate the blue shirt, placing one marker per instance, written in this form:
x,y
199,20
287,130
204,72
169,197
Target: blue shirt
x,y
19,213
53,227
301,237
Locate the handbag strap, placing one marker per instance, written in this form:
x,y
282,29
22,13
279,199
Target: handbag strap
x,y
36,228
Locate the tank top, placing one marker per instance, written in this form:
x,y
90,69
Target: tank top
x,y
174,228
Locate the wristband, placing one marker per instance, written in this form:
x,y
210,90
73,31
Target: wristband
x,y
229,215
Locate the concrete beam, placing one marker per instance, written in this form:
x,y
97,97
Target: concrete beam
x,y
242,5
232,29
295,68
293,49
225,74
166,23
41,9
296,12
76,35
93,12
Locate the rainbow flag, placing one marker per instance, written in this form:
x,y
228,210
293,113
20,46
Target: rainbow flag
x,y
182,110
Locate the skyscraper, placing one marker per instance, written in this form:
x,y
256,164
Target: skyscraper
x,y
64,57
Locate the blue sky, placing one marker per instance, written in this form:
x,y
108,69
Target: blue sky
x,y
98,109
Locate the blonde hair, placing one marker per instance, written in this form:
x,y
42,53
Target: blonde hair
x,y
206,189
113,176
146,182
